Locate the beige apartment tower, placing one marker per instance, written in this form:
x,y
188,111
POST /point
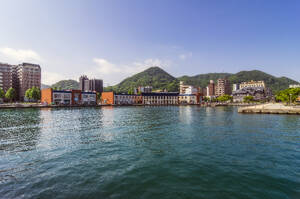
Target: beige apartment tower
x,y
223,87
28,76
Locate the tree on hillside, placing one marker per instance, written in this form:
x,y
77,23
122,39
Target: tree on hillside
x,y
2,94
10,94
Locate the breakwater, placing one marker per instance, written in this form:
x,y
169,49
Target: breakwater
x,y
270,109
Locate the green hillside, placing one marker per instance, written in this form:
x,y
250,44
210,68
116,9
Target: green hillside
x,y
275,83
153,76
66,85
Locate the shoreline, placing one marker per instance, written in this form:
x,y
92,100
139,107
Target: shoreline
x,y
24,106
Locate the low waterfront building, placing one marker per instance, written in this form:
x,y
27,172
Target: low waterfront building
x,y
127,99
255,84
107,98
68,97
188,99
162,98
294,86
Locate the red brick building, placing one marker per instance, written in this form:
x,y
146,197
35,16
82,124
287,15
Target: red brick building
x,y
68,97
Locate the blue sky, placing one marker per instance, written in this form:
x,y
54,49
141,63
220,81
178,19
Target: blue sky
x,y
114,39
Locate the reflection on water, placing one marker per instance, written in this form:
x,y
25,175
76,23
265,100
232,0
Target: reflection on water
x,y
19,129
148,152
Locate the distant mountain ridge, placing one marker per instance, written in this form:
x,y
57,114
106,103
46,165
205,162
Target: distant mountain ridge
x,y
275,83
160,79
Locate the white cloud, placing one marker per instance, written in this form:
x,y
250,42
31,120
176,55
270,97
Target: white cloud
x,y
185,56
21,55
114,73
105,67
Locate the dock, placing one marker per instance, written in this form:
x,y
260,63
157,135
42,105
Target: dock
x,y
271,108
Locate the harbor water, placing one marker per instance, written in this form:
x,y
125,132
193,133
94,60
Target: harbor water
x,y
148,152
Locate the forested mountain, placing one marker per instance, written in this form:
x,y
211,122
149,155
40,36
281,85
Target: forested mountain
x,y
153,76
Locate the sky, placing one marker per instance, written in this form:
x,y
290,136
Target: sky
x,y
114,39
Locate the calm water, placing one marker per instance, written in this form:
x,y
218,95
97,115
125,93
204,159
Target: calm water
x,y
148,152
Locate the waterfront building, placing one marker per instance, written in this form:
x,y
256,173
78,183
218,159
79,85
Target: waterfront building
x,y
210,89
6,80
94,85
188,99
294,86
111,98
123,99
162,98
252,83
26,76
258,93
235,87
68,97
107,98
222,87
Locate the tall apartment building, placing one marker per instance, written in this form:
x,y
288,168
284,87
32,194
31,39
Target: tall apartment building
x,y
27,76
82,80
20,77
86,84
210,89
223,87
6,80
253,84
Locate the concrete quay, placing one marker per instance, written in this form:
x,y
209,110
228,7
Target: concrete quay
x,y
270,109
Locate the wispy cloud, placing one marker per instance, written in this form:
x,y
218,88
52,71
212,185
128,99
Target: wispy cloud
x,y
21,55
184,56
